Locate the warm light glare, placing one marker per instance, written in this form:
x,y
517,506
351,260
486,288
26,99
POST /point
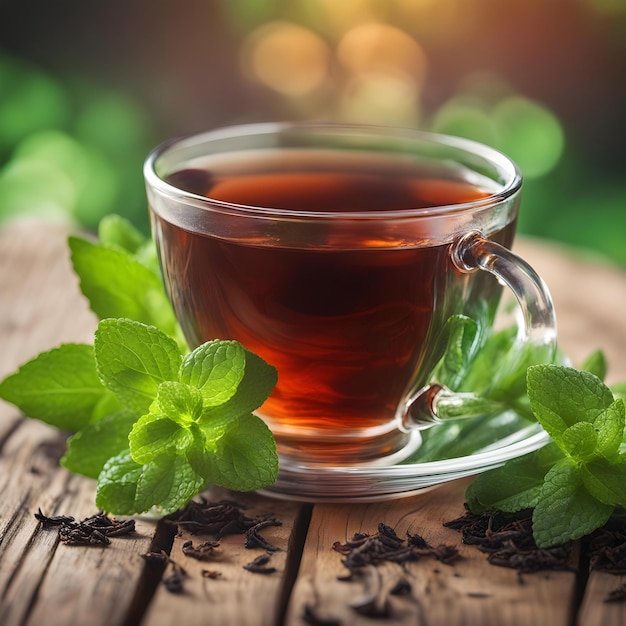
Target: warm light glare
x,y
287,58
340,15
381,49
380,99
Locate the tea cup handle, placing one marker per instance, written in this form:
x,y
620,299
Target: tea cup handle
x,y
435,403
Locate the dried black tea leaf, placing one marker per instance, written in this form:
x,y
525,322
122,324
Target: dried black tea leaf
x,y
385,545
508,540
255,540
56,520
203,551
259,565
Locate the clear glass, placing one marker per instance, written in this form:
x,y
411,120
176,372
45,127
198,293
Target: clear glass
x,y
337,253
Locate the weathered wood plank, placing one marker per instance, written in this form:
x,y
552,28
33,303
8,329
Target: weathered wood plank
x,y
41,307
590,300
237,597
42,581
470,591
595,610
40,302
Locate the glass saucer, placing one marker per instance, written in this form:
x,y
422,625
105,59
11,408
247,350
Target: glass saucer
x,y
448,451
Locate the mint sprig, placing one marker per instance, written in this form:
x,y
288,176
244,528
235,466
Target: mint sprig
x,y
575,483
151,421
167,437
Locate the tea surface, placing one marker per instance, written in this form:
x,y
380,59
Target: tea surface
x,y
324,181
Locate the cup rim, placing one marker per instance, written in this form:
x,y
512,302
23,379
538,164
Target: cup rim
x,y
501,161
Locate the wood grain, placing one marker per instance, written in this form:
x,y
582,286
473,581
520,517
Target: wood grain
x,y
41,580
467,592
595,610
237,597
44,582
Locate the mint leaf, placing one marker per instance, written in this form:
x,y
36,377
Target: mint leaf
x,y
259,378
514,486
134,359
479,378
117,485
580,441
180,402
115,230
574,483
460,334
167,483
126,487
215,368
245,456
59,387
118,285
155,435
609,425
199,453
562,396
107,404
91,447
595,364
565,510
606,481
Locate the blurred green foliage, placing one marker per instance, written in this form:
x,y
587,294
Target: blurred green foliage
x,y
71,151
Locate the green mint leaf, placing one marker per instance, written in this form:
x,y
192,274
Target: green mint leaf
x,y
595,364
154,435
257,383
514,486
609,425
91,447
606,481
245,456
134,359
147,255
126,487
580,441
115,230
565,510
119,286
106,405
479,377
59,387
201,451
460,335
167,483
215,368
181,403
562,396
464,437
510,370
117,485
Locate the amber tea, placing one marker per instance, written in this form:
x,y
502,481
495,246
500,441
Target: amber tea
x,y
346,315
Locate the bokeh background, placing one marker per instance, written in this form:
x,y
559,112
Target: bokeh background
x,y
87,88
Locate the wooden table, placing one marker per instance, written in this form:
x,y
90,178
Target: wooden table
x,y
47,583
